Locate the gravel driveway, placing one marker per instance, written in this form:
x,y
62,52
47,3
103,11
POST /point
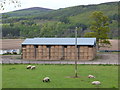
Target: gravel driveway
x,y
102,58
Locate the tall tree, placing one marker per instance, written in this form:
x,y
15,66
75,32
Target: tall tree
x,y
100,29
3,4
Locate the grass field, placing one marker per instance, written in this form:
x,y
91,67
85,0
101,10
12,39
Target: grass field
x,y
17,76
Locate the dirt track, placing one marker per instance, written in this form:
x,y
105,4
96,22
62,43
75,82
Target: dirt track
x,y
11,44
114,46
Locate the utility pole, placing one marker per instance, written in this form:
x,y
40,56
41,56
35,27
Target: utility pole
x,y
76,52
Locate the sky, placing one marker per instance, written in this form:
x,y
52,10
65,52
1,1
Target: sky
x,y
52,4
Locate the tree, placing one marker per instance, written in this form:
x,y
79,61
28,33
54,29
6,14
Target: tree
x,y
3,3
64,19
100,29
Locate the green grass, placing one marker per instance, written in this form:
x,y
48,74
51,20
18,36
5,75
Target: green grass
x,y
17,76
0,77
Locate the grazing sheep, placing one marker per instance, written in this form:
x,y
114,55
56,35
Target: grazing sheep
x,y
46,79
29,66
33,67
96,83
91,76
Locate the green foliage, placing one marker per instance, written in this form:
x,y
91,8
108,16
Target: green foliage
x,y
29,30
29,12
64,20
100,28
52,29
10,31
48,29
89,34
105,43
41,22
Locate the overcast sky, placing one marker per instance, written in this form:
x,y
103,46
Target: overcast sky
x,y
53,4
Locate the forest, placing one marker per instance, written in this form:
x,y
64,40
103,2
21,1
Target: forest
x,y
43,22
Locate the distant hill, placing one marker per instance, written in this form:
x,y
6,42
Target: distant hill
x,y
61,22
108,8
28,12
34,8
81,13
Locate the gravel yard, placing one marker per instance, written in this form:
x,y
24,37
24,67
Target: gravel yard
x,y
102,58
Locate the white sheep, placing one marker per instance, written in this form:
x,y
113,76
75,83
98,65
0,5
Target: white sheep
x,y
96,83
46,79
29,66
33,67
91,76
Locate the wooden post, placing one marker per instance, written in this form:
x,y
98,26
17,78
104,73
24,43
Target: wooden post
x,y
76,52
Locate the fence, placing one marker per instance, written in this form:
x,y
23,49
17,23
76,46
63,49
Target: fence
x,y
56,62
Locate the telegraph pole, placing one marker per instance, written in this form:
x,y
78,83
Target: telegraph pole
x,y
76,52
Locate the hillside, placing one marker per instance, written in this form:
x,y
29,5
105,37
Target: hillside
x,y
109,9
61,23
28,12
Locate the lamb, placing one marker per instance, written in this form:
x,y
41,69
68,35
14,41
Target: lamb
x,y
33,67
96,83
46,79
91,76
29,66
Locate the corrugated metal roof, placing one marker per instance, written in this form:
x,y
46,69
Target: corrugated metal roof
x,y
59,41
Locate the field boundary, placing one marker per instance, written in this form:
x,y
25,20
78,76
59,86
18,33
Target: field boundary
x,y
102,58
58,62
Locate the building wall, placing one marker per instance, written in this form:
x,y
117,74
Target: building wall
x,y
57,52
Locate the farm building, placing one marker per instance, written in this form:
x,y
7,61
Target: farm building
x,y
59,49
